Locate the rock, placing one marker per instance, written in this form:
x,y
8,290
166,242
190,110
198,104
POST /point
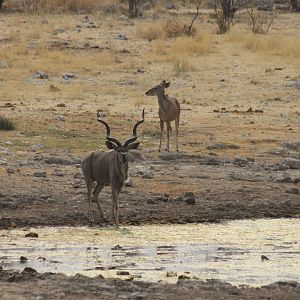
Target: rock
x,y
263,258
122,273
40,75
36,147
128,182
32,235
171,274
56,160
10,170
165,155
292,191
179,199
222,146
189,198
23,259
134,155
183,277
292,202
61,105
40,174
291,163
68,76
121,36
151,201
147,175
170,6
58,174
29,270
60,118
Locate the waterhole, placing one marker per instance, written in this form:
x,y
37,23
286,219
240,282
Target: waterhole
x,y
240,252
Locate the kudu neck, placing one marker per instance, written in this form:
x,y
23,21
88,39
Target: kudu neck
x,y
162,100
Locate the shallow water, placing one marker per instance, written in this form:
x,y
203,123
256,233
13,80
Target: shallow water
x,y
230,252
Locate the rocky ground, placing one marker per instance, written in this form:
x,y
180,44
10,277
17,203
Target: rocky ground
x,y
29,284
175,188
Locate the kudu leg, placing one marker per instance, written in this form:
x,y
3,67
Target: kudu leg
x,y
177,126
89,198
115,208
96,193
168,135
161,134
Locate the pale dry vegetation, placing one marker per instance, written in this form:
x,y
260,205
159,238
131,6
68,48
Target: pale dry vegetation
x,y
58,6
162,29
285,46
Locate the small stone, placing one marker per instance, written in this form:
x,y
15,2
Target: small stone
x,y
68,76
29,270
147,175
23,259
122,273
128,182
189,198
222,146
292,191
32,235
122,37
40,174
60,118
171,274
183,277
40,75
263,258
61,105
10,170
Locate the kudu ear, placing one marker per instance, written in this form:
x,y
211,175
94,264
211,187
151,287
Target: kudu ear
x,y
133,146
110,145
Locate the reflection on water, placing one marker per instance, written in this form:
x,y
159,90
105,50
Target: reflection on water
x,y
230,252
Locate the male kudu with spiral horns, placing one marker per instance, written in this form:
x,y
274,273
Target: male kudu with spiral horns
x,y
108,169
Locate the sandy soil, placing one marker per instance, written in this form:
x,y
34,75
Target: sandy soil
x,y
239,134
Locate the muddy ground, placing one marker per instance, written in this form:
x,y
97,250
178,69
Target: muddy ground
x,y
31,285
219,188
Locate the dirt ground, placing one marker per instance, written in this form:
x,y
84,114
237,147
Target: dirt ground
x,y
239,133
29,284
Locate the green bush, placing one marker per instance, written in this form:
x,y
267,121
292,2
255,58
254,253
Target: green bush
x,y
6,124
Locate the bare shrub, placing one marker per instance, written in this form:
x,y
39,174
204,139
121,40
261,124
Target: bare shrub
x,y
225,10
258,23
295,4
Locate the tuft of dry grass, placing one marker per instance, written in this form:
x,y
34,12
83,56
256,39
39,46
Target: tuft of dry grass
x,y
275,44
161,30
201,44
183,66
53,6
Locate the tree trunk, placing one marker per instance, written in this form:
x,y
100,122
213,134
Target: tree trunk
x,y
295,5
133,8
1,2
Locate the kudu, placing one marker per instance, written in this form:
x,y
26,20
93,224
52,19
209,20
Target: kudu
x,y
169,110
108,169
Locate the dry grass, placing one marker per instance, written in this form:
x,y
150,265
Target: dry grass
x,y
161,29
201,44
54,6
276,44
183,66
